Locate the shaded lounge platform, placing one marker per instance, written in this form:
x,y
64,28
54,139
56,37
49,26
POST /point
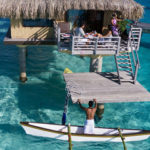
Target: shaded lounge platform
x,y
104,87
8,40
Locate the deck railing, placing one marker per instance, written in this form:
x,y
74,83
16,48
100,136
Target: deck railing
x,y
87,46
63,41
95,45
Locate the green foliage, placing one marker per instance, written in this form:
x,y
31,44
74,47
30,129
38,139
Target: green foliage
x,y
122,25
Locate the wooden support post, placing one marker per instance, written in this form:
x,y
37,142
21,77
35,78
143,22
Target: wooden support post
x,y
122,138
100,110
69,137
22,61
96,64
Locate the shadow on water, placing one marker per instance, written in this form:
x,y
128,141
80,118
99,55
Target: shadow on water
x,y
45,88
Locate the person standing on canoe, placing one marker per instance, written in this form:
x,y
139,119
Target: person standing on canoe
x,y
90,112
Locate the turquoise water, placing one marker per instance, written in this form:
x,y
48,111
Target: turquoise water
x,y
41,98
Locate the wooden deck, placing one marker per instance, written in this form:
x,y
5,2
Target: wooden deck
x,y
104,87
8,40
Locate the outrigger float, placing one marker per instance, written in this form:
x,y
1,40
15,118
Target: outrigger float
x,y
100,134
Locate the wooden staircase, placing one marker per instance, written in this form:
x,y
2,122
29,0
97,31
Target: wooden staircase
x,y
123,59
123,63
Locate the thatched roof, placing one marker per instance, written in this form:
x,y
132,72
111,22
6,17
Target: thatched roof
x,y
55,9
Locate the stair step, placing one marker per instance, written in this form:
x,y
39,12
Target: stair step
x,y
125,67
123,59
127,71
126,80
124,63
123,55
122,50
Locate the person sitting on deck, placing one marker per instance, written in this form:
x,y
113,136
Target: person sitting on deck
x,y
106,33
79,30
90,112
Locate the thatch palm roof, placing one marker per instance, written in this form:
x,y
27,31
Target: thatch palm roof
x,y
31,9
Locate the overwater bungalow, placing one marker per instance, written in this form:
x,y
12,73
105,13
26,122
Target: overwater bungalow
x,y
36,22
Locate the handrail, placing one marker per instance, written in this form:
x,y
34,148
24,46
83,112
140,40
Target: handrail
x,y
135,46
132,53
136,70
132,43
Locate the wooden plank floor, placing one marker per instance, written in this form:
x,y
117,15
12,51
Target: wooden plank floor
x,y
28,41
104,87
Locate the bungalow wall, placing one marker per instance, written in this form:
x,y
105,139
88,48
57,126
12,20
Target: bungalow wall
x,y
20,31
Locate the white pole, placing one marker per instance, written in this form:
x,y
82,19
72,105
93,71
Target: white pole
x,y
100,110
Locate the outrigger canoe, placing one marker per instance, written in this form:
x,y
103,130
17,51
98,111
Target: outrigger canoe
x,y
100,134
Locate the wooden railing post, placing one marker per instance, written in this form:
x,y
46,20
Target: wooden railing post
x,y
58,38
122,138
72,44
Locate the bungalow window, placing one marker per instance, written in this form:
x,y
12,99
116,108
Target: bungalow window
x,y
37,23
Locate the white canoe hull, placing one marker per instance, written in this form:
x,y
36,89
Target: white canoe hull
x,y
100,134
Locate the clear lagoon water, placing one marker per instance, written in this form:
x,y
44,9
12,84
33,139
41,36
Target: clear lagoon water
x,y
41,98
